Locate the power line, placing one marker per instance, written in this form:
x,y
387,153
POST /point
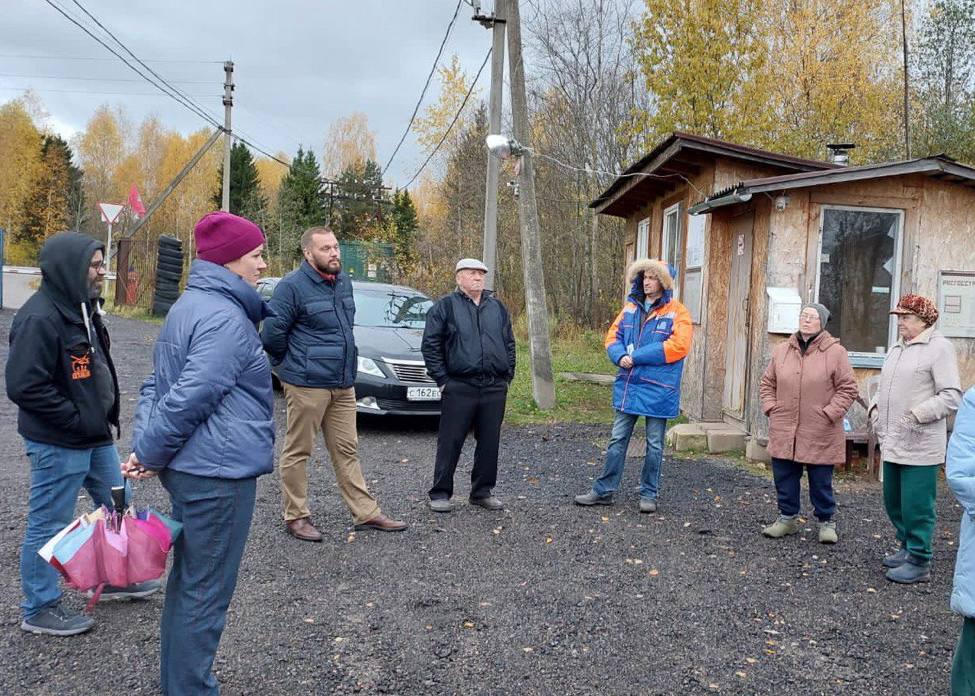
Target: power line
x,y
43,90
138,60
617,175
187,104
100,79
456,116
423,92
158,60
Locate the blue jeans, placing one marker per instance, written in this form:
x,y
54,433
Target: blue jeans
x,y
216,516
616,455
788,476
56,476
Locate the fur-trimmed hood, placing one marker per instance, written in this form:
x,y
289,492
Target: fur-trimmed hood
x,y
663,271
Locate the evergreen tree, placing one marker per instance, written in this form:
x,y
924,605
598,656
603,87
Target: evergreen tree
x,y
301,204
405,222
358,211
246,195
48,207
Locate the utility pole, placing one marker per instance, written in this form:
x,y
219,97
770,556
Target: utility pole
x,y
496,23
543,383
907,108
228,103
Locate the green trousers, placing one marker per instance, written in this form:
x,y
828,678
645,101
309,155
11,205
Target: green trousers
x,y
909,496
963,665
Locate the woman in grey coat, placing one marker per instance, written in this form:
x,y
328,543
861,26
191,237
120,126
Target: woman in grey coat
x,y
919,389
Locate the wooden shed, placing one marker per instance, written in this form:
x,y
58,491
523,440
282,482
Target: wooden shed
x,y
753,234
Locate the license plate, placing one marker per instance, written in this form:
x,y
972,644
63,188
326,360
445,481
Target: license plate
x,y
423,393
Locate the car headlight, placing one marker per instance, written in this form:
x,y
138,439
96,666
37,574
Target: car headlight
x,y
368,366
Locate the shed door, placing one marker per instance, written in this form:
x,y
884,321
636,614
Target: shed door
x,y
736,345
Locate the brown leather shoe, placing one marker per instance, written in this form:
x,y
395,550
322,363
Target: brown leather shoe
x,y
383,524
303,529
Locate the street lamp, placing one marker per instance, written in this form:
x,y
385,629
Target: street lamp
x,y
503,147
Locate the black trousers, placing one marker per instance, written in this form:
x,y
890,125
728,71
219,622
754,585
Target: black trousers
x,y
464,406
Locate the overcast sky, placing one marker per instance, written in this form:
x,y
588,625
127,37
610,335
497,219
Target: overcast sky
x,y
299,64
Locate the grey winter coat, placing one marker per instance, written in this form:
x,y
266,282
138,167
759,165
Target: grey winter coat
x,y
919,389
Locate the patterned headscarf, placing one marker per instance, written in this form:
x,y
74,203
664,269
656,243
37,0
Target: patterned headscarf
x,y
918,305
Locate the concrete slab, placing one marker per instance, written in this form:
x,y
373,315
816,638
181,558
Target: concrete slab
x,y
593,377
725,441
686,437
755,451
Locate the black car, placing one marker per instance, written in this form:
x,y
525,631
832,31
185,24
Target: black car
x,y
392,377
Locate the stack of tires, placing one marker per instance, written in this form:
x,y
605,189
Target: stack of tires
x,y
169,273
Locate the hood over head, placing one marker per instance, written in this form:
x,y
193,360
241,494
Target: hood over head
x,y
663,271
64,262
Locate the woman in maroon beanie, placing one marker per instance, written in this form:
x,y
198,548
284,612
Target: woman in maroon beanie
x,y
205,426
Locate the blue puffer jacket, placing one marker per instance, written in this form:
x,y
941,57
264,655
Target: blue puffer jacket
x,y
657,341
207,408
960,473
310,337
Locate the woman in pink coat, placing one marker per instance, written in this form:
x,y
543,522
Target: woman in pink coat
x,y
806,390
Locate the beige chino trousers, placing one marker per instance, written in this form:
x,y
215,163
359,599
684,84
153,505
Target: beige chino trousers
x,y
333,412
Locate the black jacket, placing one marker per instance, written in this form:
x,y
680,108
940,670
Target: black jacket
x,y
469,342
51,369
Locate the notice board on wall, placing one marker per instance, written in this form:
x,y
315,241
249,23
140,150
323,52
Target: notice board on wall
x,y
956,303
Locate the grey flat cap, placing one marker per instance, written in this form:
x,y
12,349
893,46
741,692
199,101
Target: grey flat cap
x,y
471,263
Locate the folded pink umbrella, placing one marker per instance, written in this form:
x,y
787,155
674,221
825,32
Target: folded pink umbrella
x,y
118,550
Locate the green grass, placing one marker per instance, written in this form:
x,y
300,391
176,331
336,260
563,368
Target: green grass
x,y
576,402
131,312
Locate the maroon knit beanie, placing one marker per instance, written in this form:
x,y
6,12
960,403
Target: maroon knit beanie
x,y
224,237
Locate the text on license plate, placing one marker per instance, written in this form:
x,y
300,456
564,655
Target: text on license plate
x,y
423,393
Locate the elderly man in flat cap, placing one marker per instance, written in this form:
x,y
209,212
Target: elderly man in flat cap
x,y
469,350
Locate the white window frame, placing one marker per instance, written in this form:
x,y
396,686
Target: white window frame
x,y
642,239
675,211
696,308
858,358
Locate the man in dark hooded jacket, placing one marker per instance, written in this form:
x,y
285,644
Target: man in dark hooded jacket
x,y
61,376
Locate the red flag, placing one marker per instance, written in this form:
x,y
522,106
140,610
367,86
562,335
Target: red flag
x,y
135,202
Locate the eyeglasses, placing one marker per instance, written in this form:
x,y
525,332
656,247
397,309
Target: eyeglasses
x,y
808,317
97,265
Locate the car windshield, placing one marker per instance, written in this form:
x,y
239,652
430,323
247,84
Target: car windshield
x,y
394,307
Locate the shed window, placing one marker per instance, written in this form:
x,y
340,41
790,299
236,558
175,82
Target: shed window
x,y
673,241
643,238
857,281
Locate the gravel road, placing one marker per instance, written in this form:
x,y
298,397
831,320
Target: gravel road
x,y
541,598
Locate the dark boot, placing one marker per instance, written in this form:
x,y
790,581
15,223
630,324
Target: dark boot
x,y
896,560
913,570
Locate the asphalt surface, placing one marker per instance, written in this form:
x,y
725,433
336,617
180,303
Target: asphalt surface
x,y
541,598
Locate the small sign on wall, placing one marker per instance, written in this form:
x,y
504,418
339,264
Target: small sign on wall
x,y
956,303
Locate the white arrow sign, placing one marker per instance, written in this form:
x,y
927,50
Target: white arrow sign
x,y
110,212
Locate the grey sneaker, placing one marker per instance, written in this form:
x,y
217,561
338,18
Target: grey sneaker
x,y
895,560
140,590
827,532
912,570
782,527
648,504
593,498
441,505
55,620
489,503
